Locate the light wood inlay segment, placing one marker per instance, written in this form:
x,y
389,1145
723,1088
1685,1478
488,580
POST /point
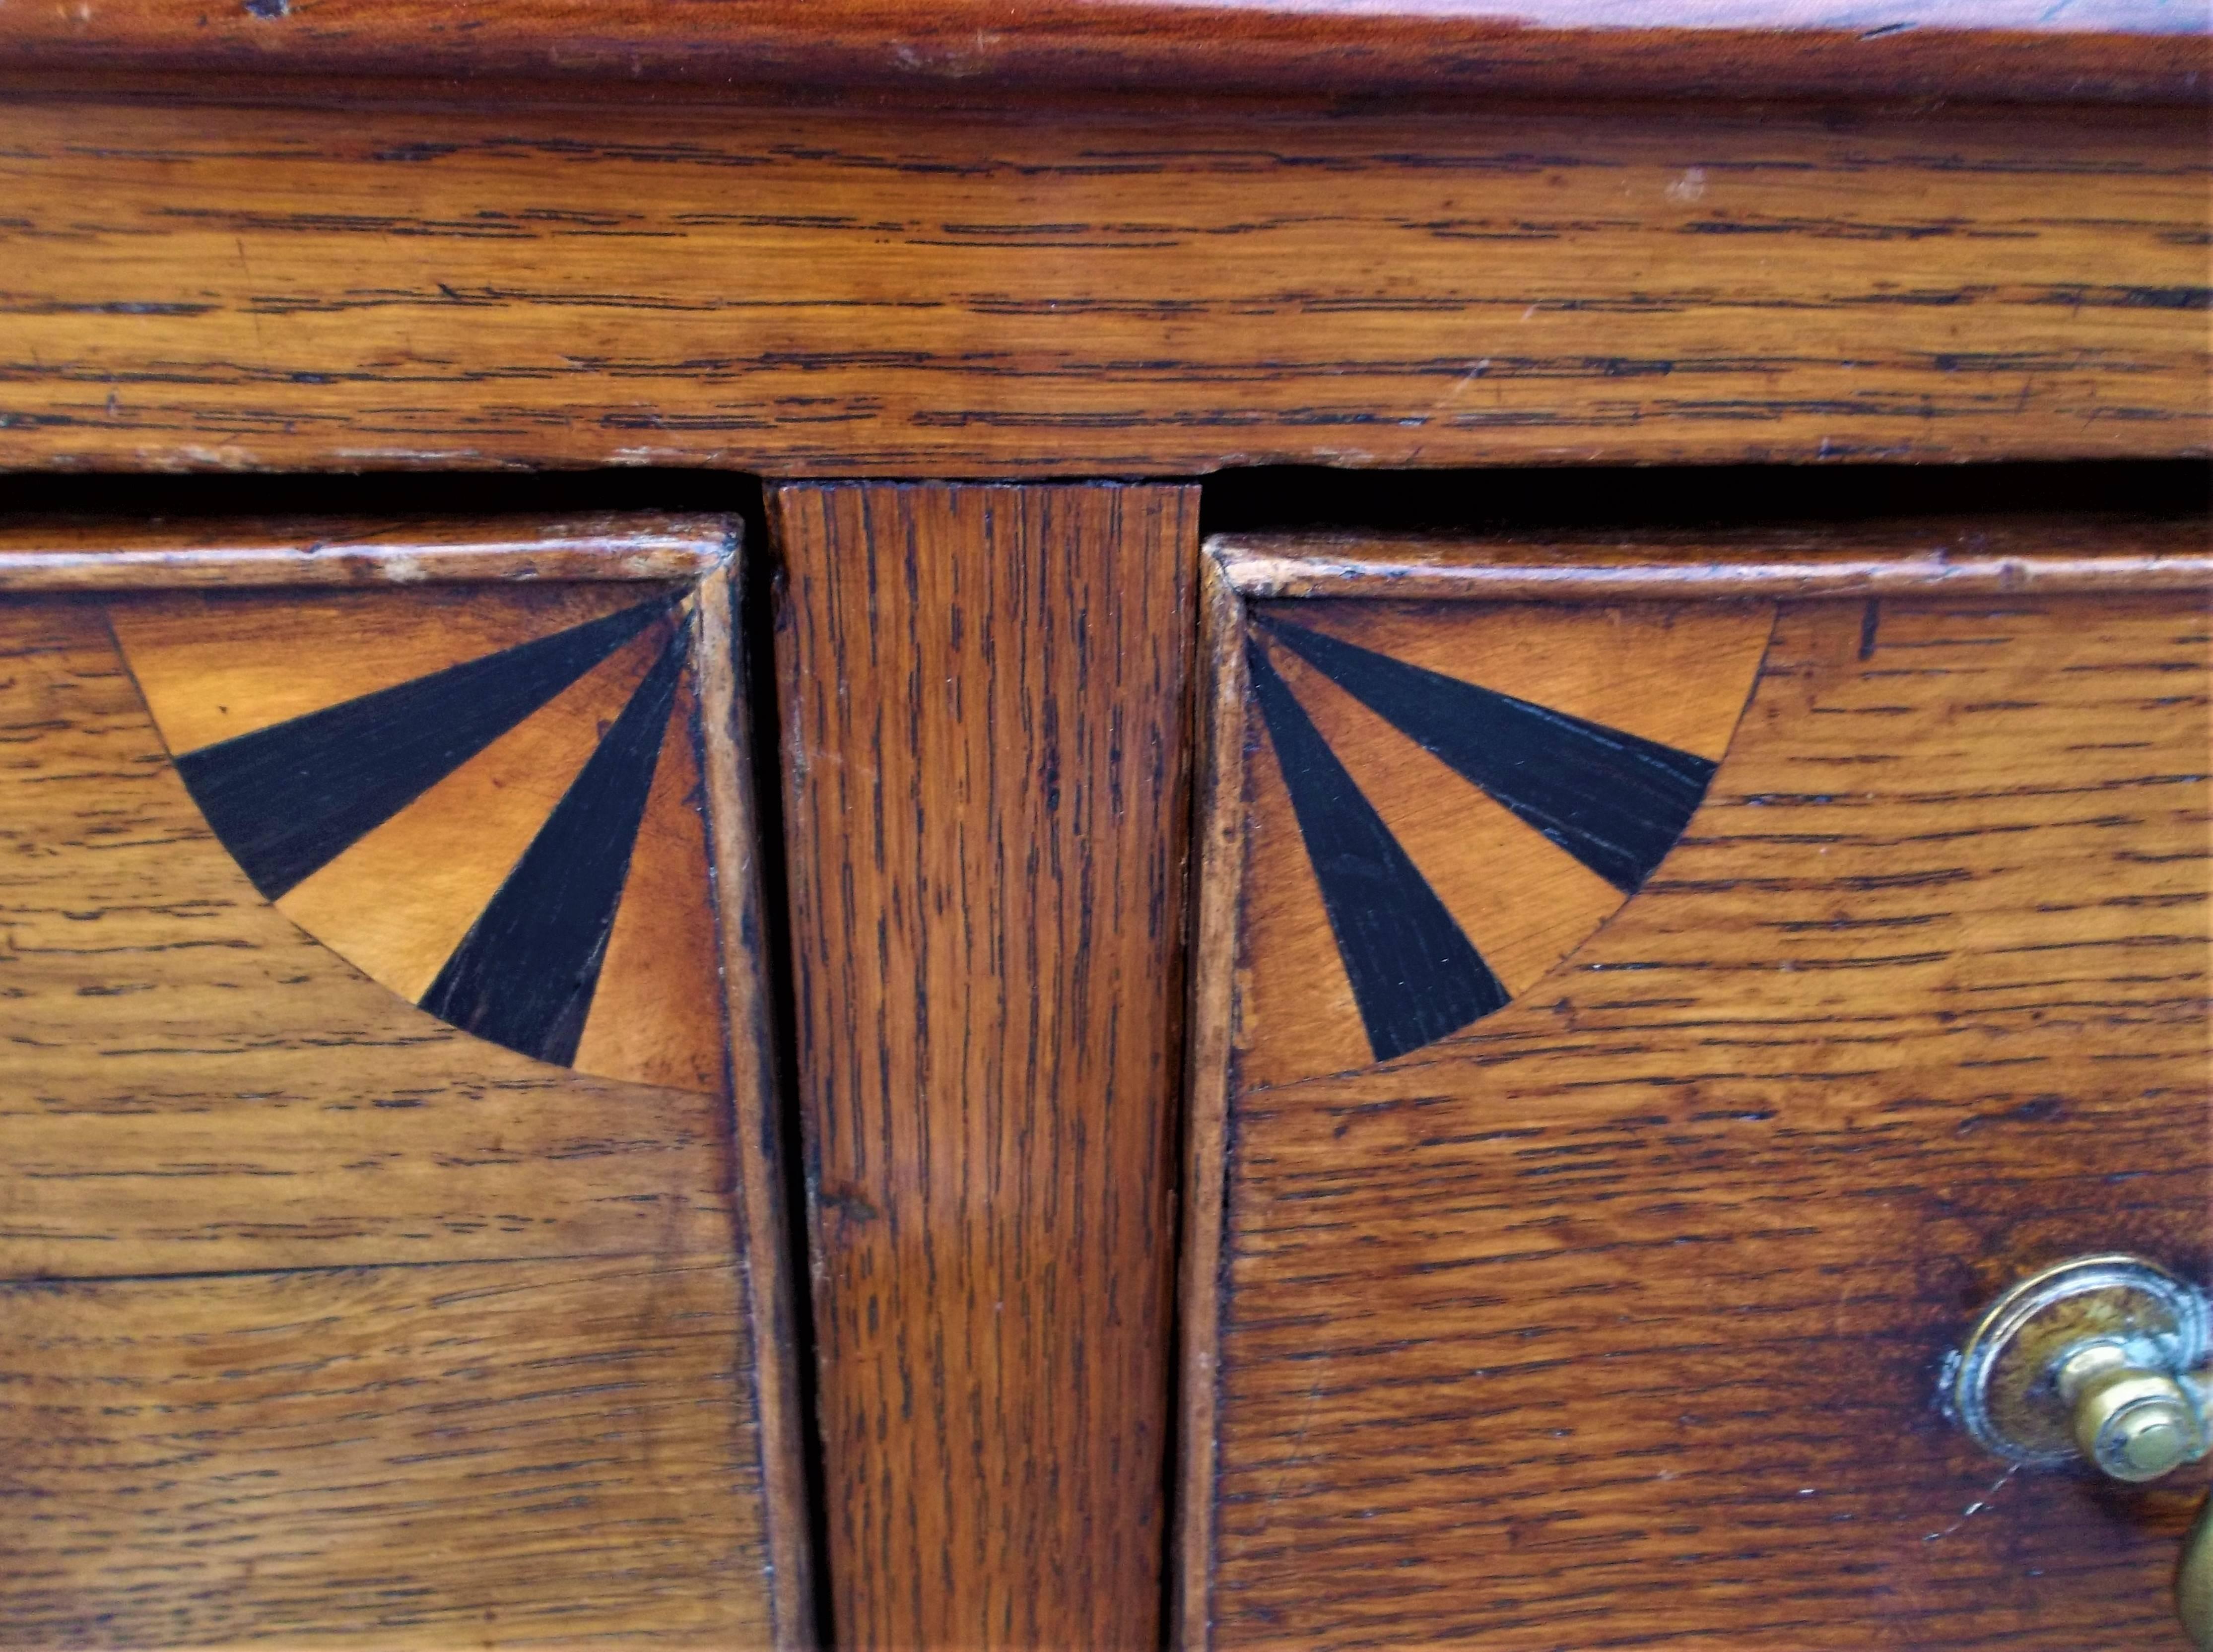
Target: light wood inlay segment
x,y
649,1016
1523,900
1678,672
986,738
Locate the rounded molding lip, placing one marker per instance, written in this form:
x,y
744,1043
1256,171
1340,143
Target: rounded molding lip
x,y
2100,51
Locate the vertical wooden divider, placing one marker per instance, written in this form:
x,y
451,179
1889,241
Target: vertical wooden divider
x,y
985,746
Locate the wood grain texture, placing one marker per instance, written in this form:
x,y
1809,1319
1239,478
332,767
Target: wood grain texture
x,y
985,746
1982,556
1222,835
308,285
93,554
536,1454
1617,1320
2128,49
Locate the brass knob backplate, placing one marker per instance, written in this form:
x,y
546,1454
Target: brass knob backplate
x,y
2095,1359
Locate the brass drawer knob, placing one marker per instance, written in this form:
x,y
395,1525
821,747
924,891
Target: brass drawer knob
x,y
2102,1360
2097,1359
2133,1425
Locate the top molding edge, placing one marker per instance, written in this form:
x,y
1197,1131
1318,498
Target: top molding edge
x,y
2004,50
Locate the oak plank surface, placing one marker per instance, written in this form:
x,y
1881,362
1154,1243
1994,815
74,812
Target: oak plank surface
x,y
534,1453
2112,49
985,757
320,283
1616,1319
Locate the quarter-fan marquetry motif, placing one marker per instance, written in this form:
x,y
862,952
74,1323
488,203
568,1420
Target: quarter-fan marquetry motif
x,y
487,800
1446,800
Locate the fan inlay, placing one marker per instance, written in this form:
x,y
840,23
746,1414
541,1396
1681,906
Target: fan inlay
x,y
475,835
1459,839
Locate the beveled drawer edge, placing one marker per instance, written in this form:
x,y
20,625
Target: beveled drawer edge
x,y
60,554
2054,556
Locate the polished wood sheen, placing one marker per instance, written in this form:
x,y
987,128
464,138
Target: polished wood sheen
x,y
321,1320
984,738
2108,49
1617,1317
323,281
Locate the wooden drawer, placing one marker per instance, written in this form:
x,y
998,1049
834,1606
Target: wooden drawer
x,y
1649,998
389,1200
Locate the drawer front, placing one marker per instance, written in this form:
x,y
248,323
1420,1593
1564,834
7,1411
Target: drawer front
x,y
377,1265
1649,1030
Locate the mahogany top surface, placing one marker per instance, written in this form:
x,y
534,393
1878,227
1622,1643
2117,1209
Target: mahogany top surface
x,y
2097,50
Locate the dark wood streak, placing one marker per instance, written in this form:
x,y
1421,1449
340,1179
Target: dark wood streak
x,y
2113,49
1617,1320
310,284
984,747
